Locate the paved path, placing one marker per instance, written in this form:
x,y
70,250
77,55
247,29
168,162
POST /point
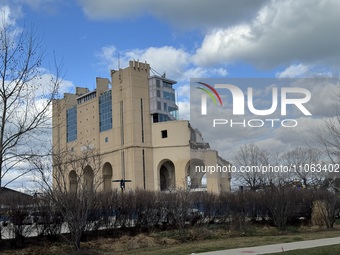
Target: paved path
x,y
275,247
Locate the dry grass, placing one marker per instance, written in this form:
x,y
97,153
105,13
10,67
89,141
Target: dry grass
x,y
200,240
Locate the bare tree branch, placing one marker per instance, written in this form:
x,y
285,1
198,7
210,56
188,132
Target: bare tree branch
x,y
25,98
251,155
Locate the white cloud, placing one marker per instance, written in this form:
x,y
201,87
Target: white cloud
x,y
108,57
294,71
23,181
283,32
221,71
66,86
195,72
183,91
325,97
184,110
273,145
200,72
222,45
164,59
189,13
275,33
304,71
176,63
183,103
5,16
9,15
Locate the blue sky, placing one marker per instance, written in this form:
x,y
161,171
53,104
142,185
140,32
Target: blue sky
x,y
189,39
81,36
193,38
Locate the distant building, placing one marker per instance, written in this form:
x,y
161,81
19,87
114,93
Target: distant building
x,y
132,121
9,196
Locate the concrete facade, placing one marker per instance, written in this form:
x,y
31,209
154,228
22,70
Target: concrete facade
x,y
131,123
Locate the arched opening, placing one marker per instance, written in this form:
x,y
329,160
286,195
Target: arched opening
x,y
167,176
72,176
196,176
88,177
203,182
107,177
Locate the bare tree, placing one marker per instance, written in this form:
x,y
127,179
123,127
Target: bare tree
x,y
178,205
46,219
252,157
300,160
25,98
282,202
109,206
72,188
327,139
326,206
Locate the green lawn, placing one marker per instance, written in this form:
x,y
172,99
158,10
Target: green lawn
x,y
325,250
231,243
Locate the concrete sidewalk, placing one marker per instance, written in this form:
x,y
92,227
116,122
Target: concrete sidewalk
x,y
276,247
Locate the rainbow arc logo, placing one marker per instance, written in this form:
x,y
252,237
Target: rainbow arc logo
x,y
209,90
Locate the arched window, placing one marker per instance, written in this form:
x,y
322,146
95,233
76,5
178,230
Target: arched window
x,y
73,180
167,175
88,178
107,177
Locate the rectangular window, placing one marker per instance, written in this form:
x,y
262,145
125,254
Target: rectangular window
x,y
105,111
167,84
164,133
121,123
86,98
71,125
142,118
144,174
169,96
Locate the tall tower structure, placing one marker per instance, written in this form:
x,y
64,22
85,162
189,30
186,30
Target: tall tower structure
x,y
131,132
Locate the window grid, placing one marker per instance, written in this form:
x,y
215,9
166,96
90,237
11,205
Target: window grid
x,y
71,116
105,111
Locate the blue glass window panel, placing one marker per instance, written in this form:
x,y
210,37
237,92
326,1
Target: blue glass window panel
x,y
105,111
71,125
